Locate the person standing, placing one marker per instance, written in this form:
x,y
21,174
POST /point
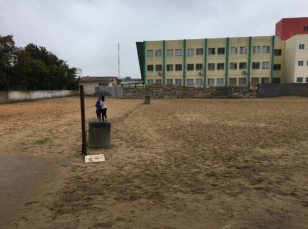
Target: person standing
x,y
98,109
103,104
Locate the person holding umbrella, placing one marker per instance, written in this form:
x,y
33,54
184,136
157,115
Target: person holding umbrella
x,y
103,104
98,109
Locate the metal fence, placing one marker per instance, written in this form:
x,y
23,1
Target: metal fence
x,y
277,90
116,92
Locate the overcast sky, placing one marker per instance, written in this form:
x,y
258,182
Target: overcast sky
x,y
85,33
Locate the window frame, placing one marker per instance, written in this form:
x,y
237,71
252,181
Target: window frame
x,y
279,52
297,79
190,52
212,53
198,67
149,51
177,51
239,81
157,66
198,49
266,62
220,49
232,79
254,51
209,68
223,82
168,51
169,80
234,66
158,51
178,65
168,65
150,80
190,67
275,67
301,46
243,48
300,63
191,82
210,79
268,49
241,68
158,80
233,48
200,81
149,66
221,66
253,63
176,80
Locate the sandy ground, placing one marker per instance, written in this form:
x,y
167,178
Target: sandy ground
x,y
195,163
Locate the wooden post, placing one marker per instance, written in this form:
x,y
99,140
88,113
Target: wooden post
x,y
83,122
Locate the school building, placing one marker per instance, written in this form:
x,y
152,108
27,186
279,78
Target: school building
x,y
239,61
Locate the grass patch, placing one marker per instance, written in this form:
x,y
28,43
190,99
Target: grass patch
x,y
127,114
42,141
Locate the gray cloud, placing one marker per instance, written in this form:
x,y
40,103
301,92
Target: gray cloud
x,y
85,33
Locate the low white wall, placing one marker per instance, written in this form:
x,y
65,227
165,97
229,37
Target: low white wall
x,y
12,96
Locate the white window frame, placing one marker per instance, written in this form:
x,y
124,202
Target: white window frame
x,y
158,81
243,50
211,64
265,65
158,53
149,82
199,82
266,49
240,81
170,81
232,79
190,67
211,53
210,82
178,81
150,53
190,82
299,79
242,68
177,66
198,67
190,52
220,81
255,63
233,50
256,49
168,67
169,52
178,52
158,68
233,66
199,52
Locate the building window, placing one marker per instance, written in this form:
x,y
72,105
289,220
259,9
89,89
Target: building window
x,y
199,82
150,82
255,65
264,80
243,66
211,51
103,84
158,68
233,50
265,65
158,81
306,79
232,81
243,50
210,82
178,52
178,81
255,49
220,82
170,81
199,52
266,49
233,66
149,53
169,67
301,46
277,52
199,67
220,66
150,68
221,51
190,67
211,66
178,67
242,81
300,63
277,67
158,53
190,82
169,52
299,79
307,62
190,52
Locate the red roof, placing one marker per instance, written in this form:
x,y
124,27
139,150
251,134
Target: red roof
x,y
97,78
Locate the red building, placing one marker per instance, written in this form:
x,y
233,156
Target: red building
x,y
288,27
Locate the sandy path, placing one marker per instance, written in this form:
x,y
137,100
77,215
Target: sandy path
x,y
174,164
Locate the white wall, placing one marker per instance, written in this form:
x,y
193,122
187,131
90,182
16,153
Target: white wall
x,y
12,96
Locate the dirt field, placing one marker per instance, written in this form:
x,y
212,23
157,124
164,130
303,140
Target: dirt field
x,y
195,163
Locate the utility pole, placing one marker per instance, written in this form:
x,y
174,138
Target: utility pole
x,y
118,60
